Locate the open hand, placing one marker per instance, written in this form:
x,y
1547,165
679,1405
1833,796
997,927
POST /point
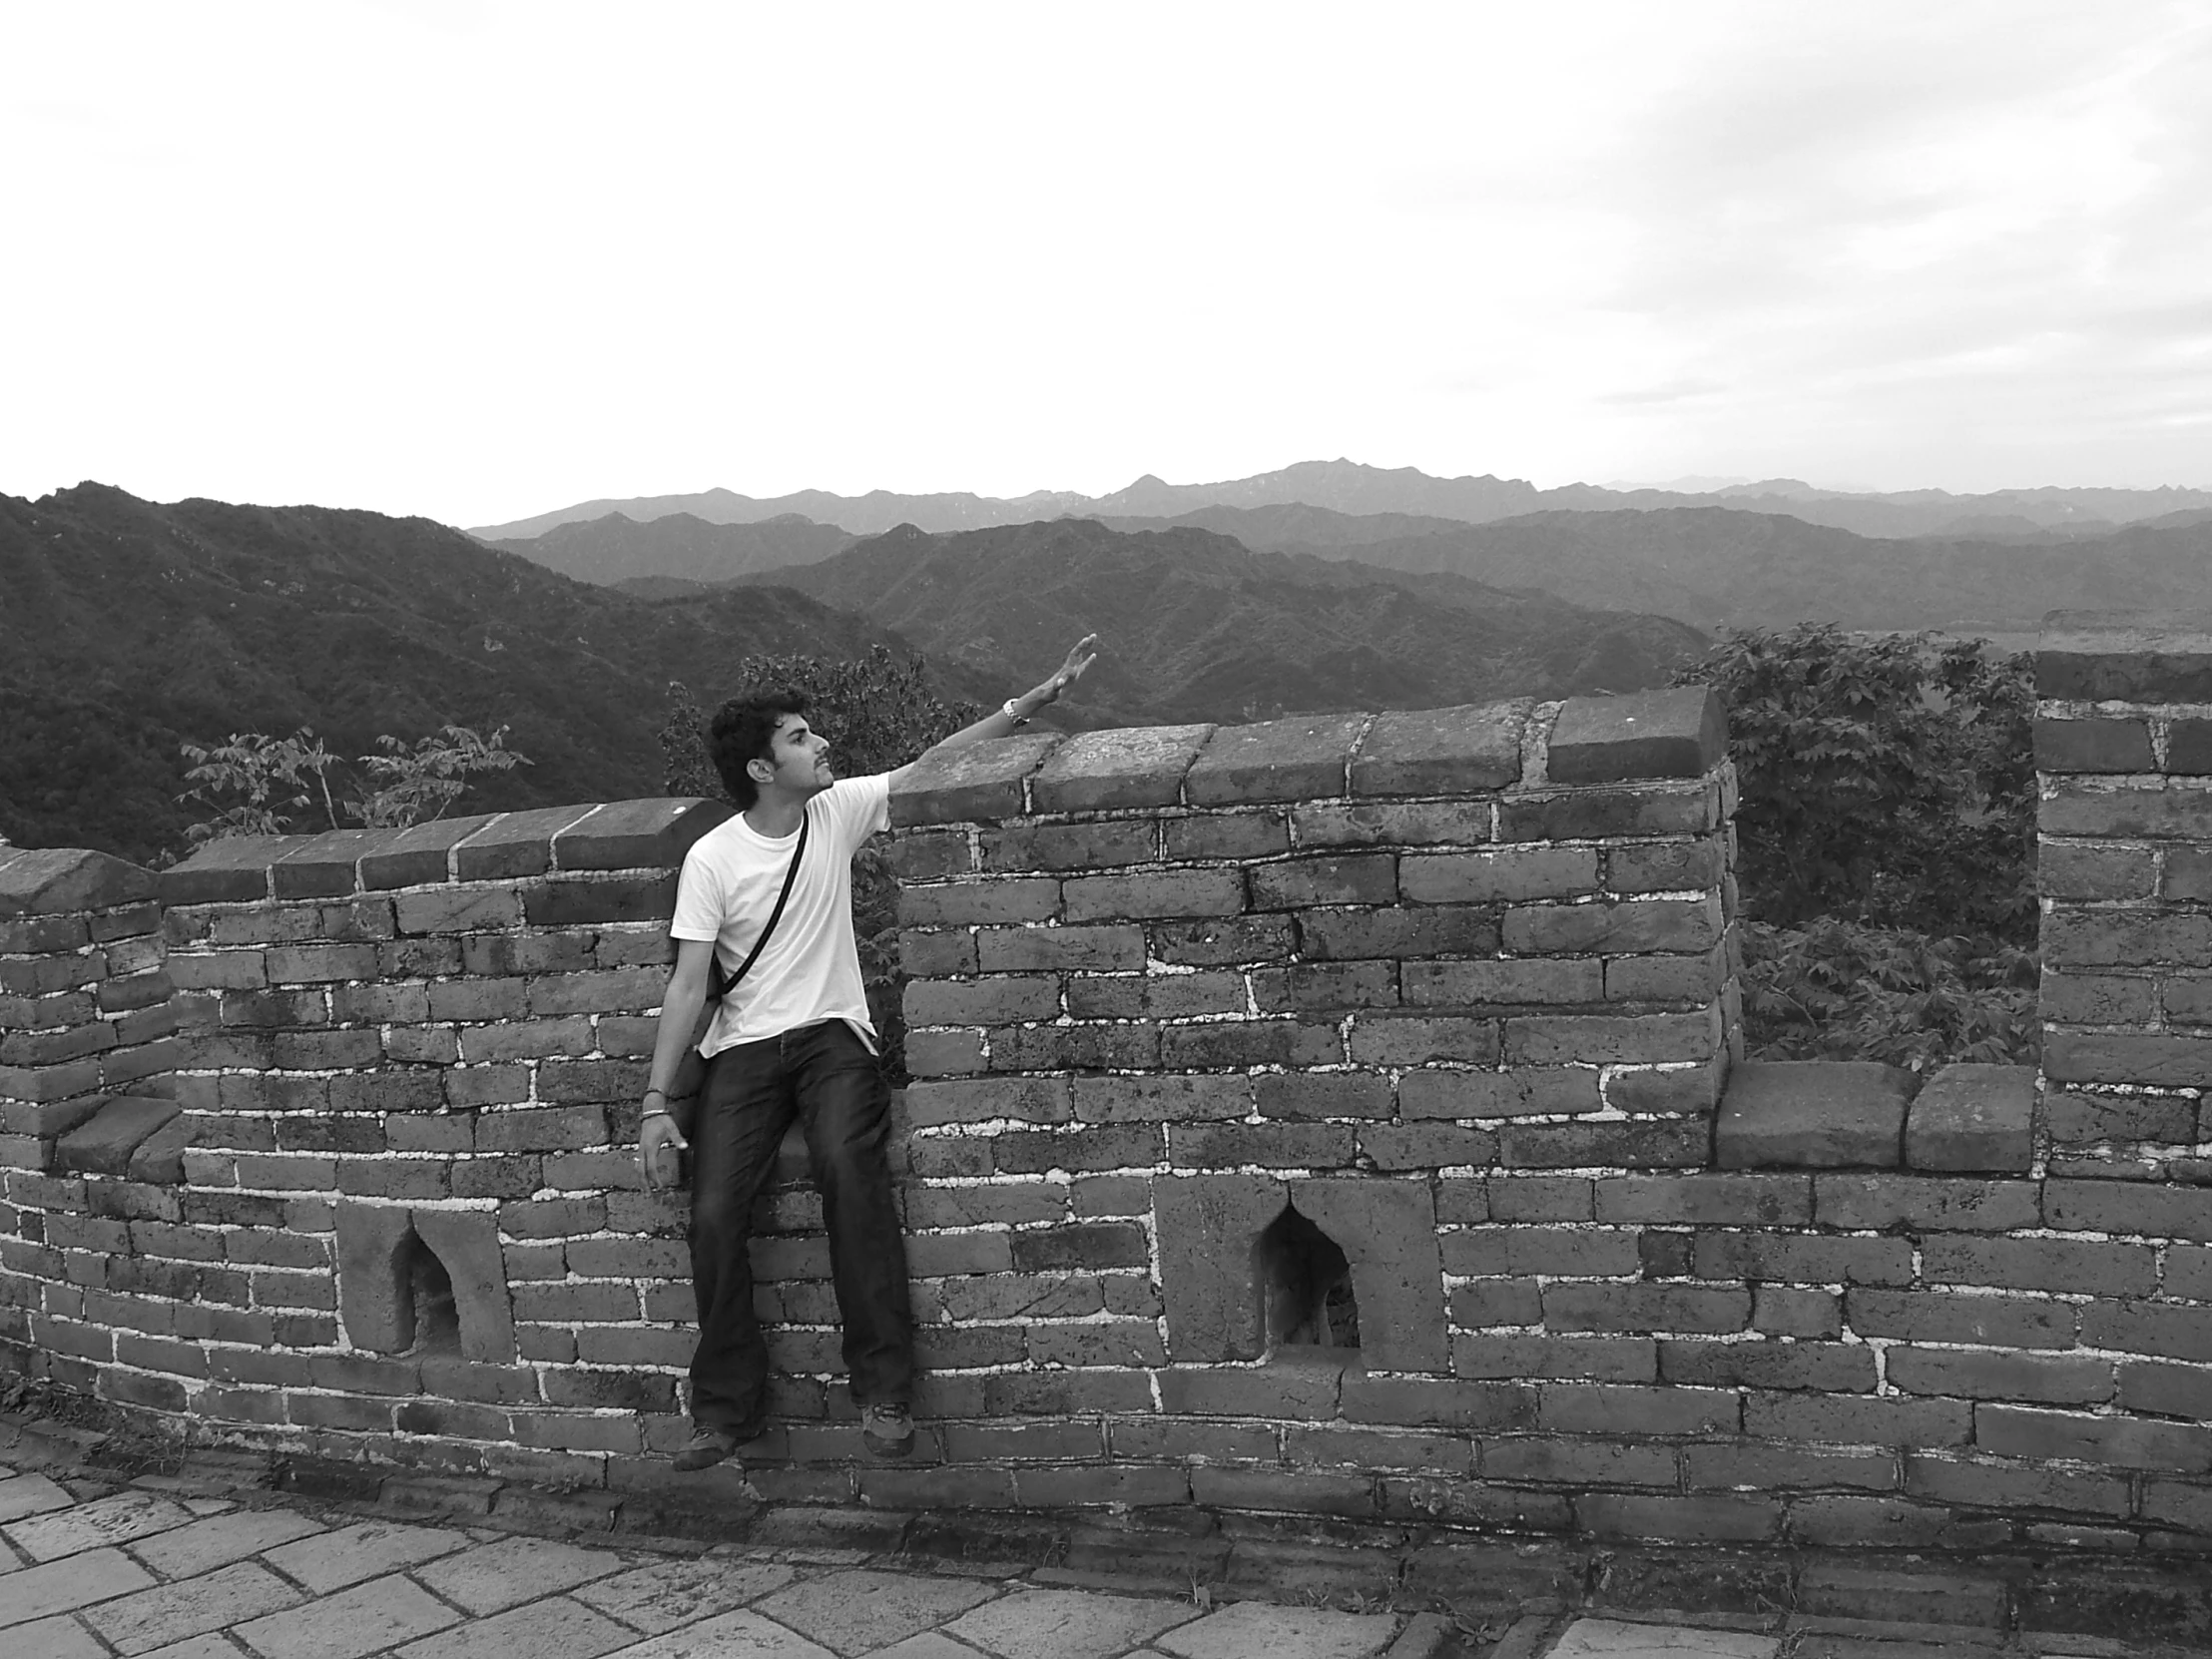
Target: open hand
x,y
1080,658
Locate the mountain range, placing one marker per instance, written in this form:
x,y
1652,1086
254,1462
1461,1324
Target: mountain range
x,y
1351,487
130,627
1200,627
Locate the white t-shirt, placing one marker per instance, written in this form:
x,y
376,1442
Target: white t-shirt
x,y
810,969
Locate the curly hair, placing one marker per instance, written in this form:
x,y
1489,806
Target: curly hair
x,y
744,730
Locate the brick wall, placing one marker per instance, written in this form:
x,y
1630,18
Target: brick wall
x,y
1455,990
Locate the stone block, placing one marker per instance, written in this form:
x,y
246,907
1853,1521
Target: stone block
x,y
984,781
1140,766
1681,732
373,1298
58,881
2093,745
1388,1232
419,853
1207,1225
160,1158
1813,1114
2161,1059
514,843
225,872
1457,750
327,866
104,1145
2189,747
1304,758
2122,657
653,834
1973,1117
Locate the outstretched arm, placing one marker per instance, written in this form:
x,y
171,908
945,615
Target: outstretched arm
x,y
1015,712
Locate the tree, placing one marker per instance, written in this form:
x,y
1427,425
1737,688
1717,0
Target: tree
x,y
1886,779
254,783
879,712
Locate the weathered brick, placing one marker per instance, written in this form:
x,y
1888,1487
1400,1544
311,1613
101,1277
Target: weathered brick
x,y
1056,847
1268,1146
1921,1203
1980,1376
1840,1420
1578,814
2021,1431
1510,981
1392,823
1717,1517
997,1000
985,900
2093,870
983,1099
1309,987
2161,811
2127,938
2169,1390
2064,1265
2149,1327
1250,1043
1032,1152
1712,1200
1558,1460
1070,949
1928,1316
1120,1046
1144,895
1996,1485
1596,1039
1644,1308
1506,875
1080,1245
1427,1146
1403,933
1803,1261
1523,1092
1666,978
1775,1465
1226,835
1423,1403
1304,758
1416,1039
2099,998
1660,1143
1613,927
1813,1114
2092,746
2135,1209
1335,878
526,1039
1321,1094
459,911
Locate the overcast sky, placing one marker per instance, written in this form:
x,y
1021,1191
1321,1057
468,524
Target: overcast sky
x,y
477,259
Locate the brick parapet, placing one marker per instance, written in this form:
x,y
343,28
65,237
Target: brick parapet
x,y
2124,762
1183,1005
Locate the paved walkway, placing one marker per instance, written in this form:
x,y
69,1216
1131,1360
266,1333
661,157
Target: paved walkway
x,y
186,1566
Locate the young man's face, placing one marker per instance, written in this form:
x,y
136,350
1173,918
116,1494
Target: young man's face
x,y
800,759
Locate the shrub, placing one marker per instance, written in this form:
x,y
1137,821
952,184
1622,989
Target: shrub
x,y
1840,990
1886,779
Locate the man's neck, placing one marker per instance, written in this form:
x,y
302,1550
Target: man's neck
x,y
776,816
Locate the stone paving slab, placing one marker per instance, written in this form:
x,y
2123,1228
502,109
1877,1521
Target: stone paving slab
x,y
668,1595
354,1553
197,1647
554,1629
59,1638
855,1613
65,1585
190,1607
364,1619
495,1577
30,1495
1620,1639
738,1635
1252,1629
221,1540
929,1644
109,1521
1066,1624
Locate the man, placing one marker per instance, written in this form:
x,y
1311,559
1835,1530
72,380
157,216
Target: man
x,y
793,1038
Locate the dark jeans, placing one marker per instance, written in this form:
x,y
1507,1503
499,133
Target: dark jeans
x,y
824,1076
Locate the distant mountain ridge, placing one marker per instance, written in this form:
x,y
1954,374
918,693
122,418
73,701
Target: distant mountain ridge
x,y
1200,627
679,546
1721,567
1351,487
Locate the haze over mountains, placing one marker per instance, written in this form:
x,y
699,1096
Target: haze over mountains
x,y
1349,487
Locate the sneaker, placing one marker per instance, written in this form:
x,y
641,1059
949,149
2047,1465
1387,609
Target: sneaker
x,y
887,1430
706,1447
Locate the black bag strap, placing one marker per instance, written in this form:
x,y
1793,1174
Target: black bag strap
x,y
719,987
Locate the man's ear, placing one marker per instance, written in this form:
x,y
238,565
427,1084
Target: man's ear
x,y
760,771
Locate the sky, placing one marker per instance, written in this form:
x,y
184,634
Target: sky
x,y
478,261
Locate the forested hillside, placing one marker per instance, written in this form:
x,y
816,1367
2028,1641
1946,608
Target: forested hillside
x,y
1199,627
127,628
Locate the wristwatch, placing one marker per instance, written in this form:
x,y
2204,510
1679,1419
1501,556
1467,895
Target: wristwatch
x,y
1012,713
